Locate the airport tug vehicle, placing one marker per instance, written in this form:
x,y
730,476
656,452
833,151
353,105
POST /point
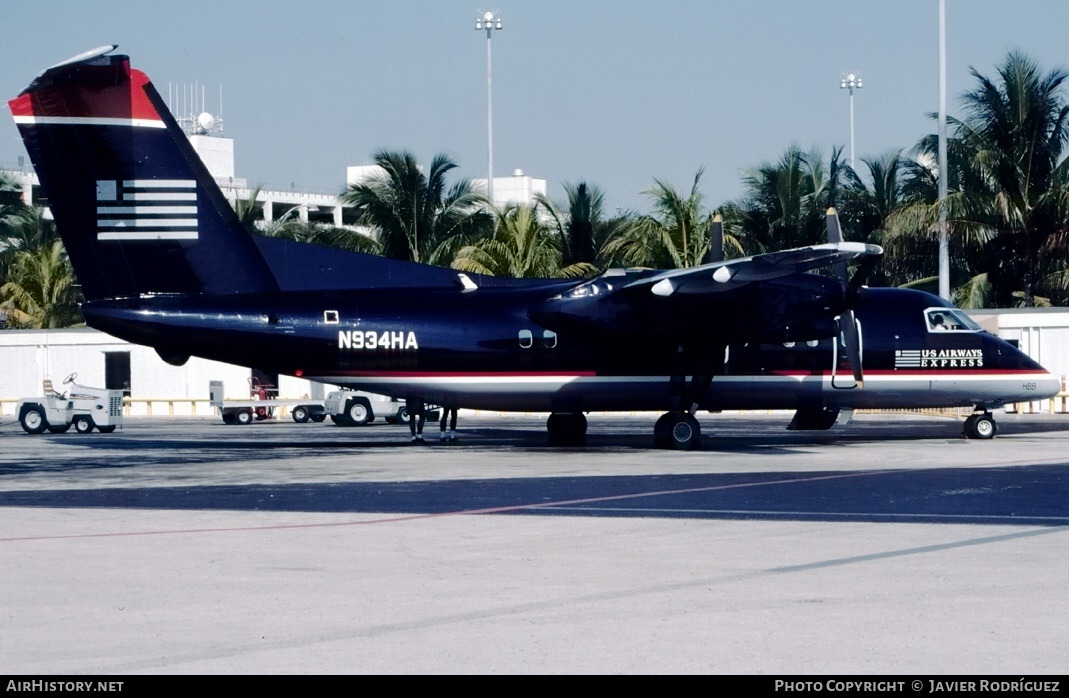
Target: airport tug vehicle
x,y
83,407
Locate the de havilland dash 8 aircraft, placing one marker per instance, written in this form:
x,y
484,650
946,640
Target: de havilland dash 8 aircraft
x,y
163,261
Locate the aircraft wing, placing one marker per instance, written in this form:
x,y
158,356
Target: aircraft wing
x,y
720,277
764,298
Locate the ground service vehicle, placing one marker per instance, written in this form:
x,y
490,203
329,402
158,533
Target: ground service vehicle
x,y
82,407
344,407
164,261
260,408
356,408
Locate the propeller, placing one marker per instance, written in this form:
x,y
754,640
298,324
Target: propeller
x,y
848,324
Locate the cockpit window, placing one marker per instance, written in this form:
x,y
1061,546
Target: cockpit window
x,y
594,287
583,291
949,320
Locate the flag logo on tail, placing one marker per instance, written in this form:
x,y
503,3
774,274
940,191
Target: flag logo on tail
x,y
147,209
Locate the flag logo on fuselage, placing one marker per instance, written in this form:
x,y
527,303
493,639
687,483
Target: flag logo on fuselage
x,y
146,209
908,358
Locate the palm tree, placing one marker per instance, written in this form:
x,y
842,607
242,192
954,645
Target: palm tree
x,y
340,238
414,215
581,225
1018,130
676,235
521,247
10,192
785,201
41,291
1013,199
248,210
865,213
911,233
23,228
289,226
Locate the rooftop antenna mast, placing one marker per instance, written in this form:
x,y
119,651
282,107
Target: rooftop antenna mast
x,y
195,119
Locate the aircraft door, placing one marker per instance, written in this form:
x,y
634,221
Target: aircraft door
x,y
842,374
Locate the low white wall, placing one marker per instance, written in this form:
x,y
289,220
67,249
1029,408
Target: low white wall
x,y
27,357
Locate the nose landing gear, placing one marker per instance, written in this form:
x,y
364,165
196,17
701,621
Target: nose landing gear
x,y
566,429
678,431
980,426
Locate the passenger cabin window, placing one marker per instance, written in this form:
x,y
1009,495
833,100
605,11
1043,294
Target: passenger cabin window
x,y
549,339
949,320
330,317
526,339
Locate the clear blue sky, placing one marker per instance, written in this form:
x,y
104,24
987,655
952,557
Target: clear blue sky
x,y
608,92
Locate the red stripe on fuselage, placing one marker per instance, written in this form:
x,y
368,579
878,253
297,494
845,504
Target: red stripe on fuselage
x,y
455,374
942,373
125,99
933,373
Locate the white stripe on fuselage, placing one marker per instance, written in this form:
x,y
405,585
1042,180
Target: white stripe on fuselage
x,y
138,210
623,393
149,235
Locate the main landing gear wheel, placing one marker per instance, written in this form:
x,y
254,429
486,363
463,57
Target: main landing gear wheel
x,y
566,429
678,431
980,426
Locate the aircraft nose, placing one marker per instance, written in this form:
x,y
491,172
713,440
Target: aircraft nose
x,y
1050,386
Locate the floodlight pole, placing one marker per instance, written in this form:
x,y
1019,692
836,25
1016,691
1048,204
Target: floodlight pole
x,y
944,238
489,20
849,82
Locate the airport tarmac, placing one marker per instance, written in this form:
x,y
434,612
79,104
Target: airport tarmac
x,y
185,546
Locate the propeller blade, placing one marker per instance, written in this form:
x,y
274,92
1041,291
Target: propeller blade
x,y
860,274
835,232
835,235
715,252
853,283
852,339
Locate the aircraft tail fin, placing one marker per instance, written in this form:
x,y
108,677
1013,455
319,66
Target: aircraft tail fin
x,y
137,210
